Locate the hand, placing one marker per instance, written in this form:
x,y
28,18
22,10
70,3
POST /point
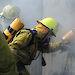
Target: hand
x,y
64,46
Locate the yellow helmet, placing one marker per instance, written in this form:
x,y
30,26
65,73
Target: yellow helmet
x,y
50,23
10,12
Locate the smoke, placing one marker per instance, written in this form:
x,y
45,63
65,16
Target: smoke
x,y
63,12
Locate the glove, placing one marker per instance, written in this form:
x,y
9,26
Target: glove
x,y
64,46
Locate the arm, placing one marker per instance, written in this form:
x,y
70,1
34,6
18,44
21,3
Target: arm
x,y
51,47
54,46
59,46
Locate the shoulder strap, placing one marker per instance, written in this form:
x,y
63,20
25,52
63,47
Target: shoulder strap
x,y
33,32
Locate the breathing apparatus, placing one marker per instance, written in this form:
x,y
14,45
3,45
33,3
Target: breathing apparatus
x,y
15,26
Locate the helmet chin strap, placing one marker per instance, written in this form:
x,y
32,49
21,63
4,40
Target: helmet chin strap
x,y
48,34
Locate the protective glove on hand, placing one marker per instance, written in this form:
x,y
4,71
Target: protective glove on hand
x,y
64,46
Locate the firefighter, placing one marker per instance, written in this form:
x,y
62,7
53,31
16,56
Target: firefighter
x,y
7,59
8,14
27,41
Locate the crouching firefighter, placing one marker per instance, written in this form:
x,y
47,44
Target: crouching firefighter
x,y
27,42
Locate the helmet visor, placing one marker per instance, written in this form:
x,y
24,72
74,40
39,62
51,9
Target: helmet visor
x,y
50,31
